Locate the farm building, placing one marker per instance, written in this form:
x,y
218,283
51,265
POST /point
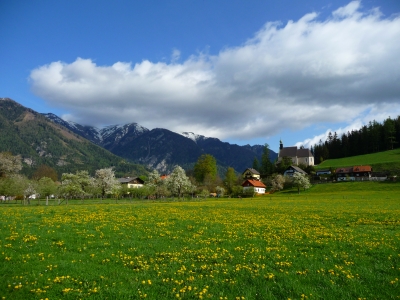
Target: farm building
x,y
356,173
323,172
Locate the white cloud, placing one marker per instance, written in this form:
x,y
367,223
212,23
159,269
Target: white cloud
x,y
348,10
307,143
375,113
176,54
306,72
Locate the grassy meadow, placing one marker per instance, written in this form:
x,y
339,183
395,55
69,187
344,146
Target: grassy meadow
x,y
334,241
380,161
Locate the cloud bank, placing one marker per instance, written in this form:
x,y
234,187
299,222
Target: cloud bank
x,y
287,76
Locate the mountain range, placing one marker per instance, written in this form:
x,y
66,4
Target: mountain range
x,y
39,141
162,149
130,148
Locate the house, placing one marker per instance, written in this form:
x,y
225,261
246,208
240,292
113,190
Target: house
x,y
356,173
131,182
251,173
252,180
323,172
379,176
293,169
362,171
164,176
343,174
298,156
258,186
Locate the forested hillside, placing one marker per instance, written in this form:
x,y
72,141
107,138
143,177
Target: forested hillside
x,y
371,138
40,142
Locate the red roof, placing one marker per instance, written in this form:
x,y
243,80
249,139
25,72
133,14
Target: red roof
x,y
254,183
344,170
354,169
362,169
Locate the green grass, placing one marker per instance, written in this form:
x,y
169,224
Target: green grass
x,y
334,241
380,161
352,189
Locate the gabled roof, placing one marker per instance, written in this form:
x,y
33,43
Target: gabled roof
x,y
297,169
293,152
362,169
124,180
288,151
354,169
304,153
253,183
253,171
344,170
130,179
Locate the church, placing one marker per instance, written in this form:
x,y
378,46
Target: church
x,y
298,156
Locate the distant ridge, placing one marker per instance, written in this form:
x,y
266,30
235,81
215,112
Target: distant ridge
x,y
162,149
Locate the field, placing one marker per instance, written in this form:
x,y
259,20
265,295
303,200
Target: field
x,y
335,241
380,161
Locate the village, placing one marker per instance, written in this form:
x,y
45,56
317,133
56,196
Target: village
x,y
254,183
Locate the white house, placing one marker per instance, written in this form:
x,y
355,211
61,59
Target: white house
x,y
131,182
258,186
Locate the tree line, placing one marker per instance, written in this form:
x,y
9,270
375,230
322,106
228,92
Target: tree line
x,y
81,185
371,138
44,182
202,181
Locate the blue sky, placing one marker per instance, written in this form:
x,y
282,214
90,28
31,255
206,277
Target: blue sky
x,y
247,72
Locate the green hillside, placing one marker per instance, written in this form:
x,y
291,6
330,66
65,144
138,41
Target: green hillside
x,y
40,142
387,161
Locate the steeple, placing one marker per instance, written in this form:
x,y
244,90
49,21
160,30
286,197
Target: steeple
x,y
280,145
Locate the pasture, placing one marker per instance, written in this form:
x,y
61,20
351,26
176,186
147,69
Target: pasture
x,y
335,241
385,161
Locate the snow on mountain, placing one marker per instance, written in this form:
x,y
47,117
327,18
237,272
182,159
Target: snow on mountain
x,y
194,137
60,121
114,133
163,149
106,136
89,132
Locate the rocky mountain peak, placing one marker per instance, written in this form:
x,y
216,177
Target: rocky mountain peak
x,y
163,149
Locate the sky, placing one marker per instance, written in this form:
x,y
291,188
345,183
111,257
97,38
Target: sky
x,y
244,71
